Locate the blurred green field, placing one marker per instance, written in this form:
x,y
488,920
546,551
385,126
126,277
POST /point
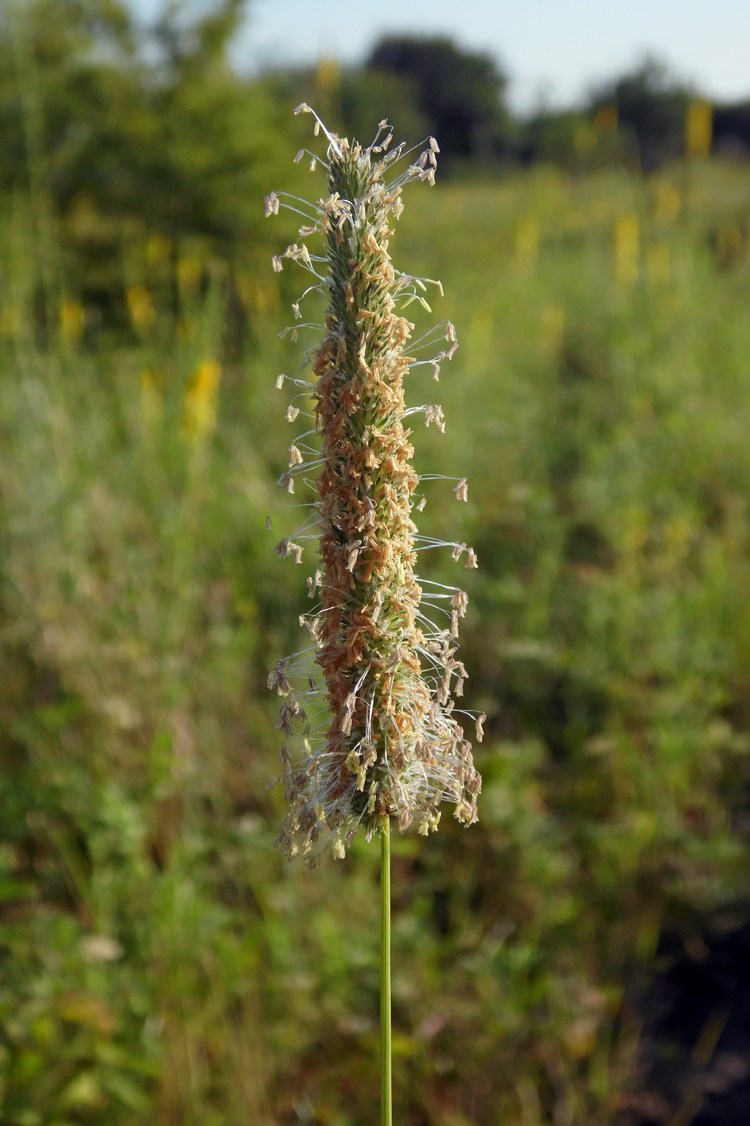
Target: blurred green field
x,y
160,962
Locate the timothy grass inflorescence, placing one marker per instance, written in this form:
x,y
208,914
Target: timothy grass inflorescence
x,y
387,743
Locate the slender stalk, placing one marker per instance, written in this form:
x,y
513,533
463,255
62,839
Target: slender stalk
x,y
389,745
386,1094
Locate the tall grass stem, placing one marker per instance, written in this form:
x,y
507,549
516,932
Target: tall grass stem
x,y
386,1046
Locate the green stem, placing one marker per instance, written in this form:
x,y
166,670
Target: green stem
x,y
386,1096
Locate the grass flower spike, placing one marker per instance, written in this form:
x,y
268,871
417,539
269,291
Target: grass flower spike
x,y
387,743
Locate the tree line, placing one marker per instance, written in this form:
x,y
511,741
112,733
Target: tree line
x,y
116,125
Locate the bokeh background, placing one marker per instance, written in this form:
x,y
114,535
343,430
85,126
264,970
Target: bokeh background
x,y
579,957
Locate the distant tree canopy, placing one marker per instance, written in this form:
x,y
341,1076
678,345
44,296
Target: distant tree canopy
x,y
110,126
145,122
731,128
562,137
460,94
365,97
652,104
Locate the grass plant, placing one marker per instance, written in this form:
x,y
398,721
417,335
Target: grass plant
x,y
387,744
160,960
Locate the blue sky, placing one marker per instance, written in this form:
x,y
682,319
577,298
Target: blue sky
x,y
553,50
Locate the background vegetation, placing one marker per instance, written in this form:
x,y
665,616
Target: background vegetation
x,y
159,962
